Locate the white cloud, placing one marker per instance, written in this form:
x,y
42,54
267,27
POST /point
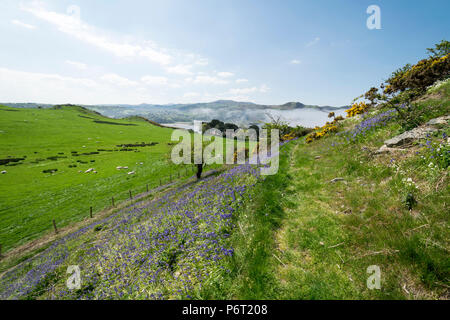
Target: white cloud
x,y
295,61
28,86
243,90
155,56
206,80
75,27
191,95
241,80
181,69
240,91
118,80
225,74
125,46
154,80
202,62
76,64
264,89
21,86
23,24
313,42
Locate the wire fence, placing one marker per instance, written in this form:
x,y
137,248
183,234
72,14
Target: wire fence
x,y
114,200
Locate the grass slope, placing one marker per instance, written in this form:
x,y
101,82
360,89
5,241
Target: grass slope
x,y
30,199
299,234
305,237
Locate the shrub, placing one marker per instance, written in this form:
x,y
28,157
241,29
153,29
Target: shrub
x,y
322,131
423,74
357,108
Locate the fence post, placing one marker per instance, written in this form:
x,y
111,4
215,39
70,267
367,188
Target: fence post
x,y
130,196
90,212
54,226
147,187
160,183
112,200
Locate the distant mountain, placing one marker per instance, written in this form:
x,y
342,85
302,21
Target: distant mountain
x,y
225,104
239,112
27,105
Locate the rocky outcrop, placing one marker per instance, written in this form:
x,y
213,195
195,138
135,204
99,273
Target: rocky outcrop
x,y
386,149
439,121
409,136
405,139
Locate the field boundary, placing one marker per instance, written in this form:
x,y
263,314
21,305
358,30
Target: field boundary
x,y
14,258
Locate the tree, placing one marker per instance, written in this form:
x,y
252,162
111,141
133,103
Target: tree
x,y
441,49
256,128
197,158
424,73
205,153
372,95
231,126
276,123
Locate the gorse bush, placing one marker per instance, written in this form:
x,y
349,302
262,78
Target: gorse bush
x,y
286,132
357,108
423,74
323,131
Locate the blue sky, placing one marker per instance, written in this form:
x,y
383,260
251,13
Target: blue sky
x,y
271,52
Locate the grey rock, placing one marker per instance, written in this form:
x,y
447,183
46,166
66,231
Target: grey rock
x,y
409,136
437,121
385,149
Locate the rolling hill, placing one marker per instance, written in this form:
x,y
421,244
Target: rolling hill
x,y
242,113
45,154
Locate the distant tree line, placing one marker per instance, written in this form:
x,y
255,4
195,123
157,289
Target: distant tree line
x,y
223,126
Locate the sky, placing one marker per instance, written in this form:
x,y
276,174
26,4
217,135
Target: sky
x,y
178,51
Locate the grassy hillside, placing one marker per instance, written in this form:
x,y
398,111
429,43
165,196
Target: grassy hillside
x,y
334,208
163,246
305,236
71,140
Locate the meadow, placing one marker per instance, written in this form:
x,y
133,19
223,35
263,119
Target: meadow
x,y
334,208
46,153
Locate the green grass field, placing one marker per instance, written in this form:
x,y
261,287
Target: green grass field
x,y
64,139
298,234
304,237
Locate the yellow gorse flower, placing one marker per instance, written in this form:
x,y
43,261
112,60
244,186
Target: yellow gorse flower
x,y
322,131
357,108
